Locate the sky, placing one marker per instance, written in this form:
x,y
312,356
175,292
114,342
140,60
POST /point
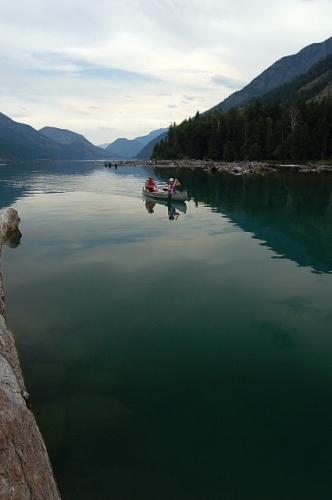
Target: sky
x,y
122,68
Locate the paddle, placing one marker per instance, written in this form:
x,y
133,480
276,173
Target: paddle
x,y
173,188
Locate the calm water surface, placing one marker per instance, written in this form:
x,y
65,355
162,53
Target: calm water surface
x,y
175,359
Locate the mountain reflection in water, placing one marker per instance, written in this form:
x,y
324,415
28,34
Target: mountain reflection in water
x,y
290,212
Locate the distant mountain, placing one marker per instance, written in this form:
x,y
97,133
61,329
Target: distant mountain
x,y
124,148
77,143
22,142
151,136
64,136
146,152
281,72
127,148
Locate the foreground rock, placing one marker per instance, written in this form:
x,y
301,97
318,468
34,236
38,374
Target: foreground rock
x,y
25,469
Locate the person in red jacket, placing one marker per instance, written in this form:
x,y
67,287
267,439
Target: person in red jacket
x,y
150,185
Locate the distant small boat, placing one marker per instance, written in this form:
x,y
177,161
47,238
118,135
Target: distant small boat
x,y
163,195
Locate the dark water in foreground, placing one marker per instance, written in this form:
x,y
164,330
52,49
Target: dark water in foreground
x,y
175,359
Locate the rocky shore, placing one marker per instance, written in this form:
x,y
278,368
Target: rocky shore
x,y
235,168
25,469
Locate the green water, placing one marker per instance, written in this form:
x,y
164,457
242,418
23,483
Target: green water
x,y
175,359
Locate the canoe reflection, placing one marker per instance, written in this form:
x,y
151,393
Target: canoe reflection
x,y
173,208
149,205
172,213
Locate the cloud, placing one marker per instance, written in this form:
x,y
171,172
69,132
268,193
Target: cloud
x,y
74,64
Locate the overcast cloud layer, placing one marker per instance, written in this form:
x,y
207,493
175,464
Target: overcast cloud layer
x,y
109,69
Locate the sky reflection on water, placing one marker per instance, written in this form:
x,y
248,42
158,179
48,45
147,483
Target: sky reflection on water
x,y
174,359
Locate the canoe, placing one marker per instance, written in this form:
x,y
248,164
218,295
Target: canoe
x,y
163,195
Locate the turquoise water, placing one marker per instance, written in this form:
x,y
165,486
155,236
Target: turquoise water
x,y
175,359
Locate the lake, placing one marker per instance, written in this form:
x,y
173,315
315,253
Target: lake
x,y
175,353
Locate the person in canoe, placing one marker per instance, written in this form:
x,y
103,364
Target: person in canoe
x,y
172,185
150,185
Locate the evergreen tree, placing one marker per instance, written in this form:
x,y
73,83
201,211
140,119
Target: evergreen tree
x,y
297,131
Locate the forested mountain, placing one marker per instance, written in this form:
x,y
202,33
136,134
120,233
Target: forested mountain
x,y
292,122
314,84
300,131
281,72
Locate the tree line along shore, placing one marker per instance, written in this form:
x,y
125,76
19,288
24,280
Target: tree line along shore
x,y
297,131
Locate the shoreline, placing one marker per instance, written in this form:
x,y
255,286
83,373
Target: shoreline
x,y
210,166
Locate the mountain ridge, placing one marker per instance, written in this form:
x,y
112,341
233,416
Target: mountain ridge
x,y
75,142
19,141
64,136
282,71
316,83
292,122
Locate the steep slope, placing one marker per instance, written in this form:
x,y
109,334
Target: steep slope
x,y
281,72
64,136
20,141
146,139
289,123
77,144
146,152
314,84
